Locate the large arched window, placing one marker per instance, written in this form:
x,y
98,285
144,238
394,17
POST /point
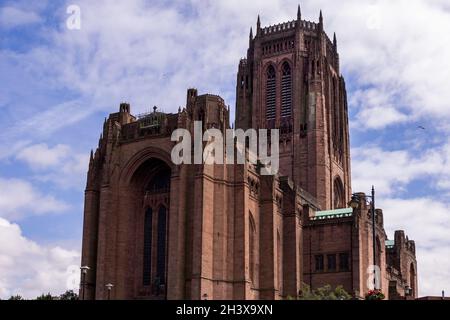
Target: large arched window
x,y
160,183
286,91
252,250
270,93
154,178
338,194
161,249
147,247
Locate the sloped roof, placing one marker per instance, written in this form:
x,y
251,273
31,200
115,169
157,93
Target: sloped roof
x,y
389,243
333,214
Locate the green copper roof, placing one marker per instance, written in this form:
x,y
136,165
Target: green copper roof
x,y
331,214
389,243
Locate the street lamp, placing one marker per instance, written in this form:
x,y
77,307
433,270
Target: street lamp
x,y
354,203
109,286
84,271
407,290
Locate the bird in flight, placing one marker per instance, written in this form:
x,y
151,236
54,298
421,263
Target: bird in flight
x,y
420,127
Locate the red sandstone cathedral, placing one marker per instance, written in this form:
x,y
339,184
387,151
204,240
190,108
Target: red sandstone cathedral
x,y
155,230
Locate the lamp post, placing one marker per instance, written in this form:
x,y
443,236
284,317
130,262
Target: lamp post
x,y
354,203
407,290
84,271
109,286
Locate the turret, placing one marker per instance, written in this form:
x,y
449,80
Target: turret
x,y
190,98
399,238
124,113
320,21
258,26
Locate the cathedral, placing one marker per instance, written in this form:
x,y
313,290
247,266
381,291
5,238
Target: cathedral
x,y
156,230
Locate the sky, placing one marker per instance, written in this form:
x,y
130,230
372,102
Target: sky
x,y
59,83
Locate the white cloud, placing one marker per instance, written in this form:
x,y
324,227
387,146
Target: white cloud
x,y
11,17
11,149
426,221
18,198
395,49
70,174
392,171
29,269
41,156
402,57
149,55
58,164
378,109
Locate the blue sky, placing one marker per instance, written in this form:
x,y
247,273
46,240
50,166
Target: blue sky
x,y
59,84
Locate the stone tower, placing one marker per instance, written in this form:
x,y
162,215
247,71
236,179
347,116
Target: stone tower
x,y
290,81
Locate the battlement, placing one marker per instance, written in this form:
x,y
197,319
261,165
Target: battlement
x,y
290,25
402,242
278,27
208,96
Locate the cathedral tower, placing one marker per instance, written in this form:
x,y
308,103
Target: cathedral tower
x,y
291,81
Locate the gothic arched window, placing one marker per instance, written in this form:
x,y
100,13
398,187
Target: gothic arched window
x,y
160,182
161,249
252,251
335,111
279,263
270,93
339,196
147,247
286,90
152,178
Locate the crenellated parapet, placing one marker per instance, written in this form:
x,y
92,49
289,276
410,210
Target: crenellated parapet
x,y
401,256
402,242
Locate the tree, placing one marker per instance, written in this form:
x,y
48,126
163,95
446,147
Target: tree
x,y
68,295
47,296
16,297
324,293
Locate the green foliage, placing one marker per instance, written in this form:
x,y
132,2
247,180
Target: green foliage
x,y
324,293
68,295
47,296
